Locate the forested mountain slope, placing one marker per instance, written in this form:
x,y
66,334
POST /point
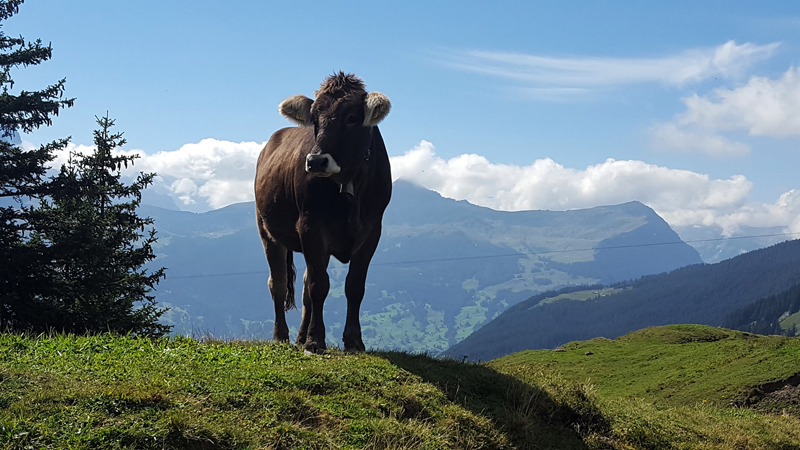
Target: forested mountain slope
x,y
703,294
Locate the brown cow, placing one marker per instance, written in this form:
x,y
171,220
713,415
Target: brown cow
x,y
321,189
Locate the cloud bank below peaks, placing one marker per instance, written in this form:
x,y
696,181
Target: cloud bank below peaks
x,y
212,174
206,175
211,171
681,197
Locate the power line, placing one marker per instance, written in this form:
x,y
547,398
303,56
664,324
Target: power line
x,y
211,275
506,255
652,244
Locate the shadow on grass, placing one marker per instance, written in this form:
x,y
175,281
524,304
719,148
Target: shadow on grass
x,y
526,413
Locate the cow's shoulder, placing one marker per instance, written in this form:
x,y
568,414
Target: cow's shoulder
x,y
291,136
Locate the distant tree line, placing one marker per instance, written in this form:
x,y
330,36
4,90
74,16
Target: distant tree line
x,y
765,315
72,247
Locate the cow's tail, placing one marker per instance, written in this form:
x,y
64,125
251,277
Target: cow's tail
x,y
291,274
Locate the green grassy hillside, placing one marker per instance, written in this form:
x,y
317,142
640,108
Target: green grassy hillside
x,y
123,392
686,386
673,365
106,392
791,322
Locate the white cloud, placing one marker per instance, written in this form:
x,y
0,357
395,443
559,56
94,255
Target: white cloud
x,y
785,211
668,136
223,192
212,172
206,175
554,94
689,66
184,188
762,107
207,159
794,227
681,197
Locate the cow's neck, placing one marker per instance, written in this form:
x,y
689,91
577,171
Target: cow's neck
x,y
350,188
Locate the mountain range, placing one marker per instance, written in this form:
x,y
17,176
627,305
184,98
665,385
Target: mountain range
x,y
443,268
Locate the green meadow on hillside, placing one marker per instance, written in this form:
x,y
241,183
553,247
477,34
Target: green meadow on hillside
x,y
673,364
589,294
124,392
791,321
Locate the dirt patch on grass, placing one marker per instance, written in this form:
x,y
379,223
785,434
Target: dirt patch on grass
x,y
776,395
787,397
789,394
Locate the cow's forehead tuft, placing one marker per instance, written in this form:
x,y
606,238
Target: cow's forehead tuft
x,y
341,84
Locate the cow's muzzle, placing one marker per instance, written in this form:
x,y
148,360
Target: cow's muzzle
x,y
322,165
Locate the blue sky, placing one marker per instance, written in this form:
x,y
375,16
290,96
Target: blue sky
x,y
697,103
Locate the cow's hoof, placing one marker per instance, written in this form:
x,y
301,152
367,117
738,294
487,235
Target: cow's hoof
x,y
280,334
354,347
314,349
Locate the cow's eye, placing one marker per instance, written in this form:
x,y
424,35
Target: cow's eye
x,y
351,119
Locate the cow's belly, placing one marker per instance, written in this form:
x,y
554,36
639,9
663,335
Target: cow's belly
x,y
325,222
338,237
348,243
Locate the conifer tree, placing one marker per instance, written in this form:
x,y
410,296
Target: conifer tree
x,y
98,245
72,248
22,173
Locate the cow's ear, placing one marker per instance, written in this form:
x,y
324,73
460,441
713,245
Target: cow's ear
x,y
297,108
376,108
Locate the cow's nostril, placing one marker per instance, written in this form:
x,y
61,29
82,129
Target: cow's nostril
x,y
317,163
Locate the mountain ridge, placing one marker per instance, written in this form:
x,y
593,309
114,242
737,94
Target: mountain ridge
x,y
443,267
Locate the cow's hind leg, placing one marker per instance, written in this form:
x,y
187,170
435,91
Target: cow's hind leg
x,y
279,279
354,287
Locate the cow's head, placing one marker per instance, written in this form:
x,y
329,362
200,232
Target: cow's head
x,y
342,114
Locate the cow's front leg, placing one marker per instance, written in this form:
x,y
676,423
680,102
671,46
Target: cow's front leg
x,y
316,286
302,335
354,287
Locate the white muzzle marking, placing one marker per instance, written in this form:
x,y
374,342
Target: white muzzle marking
x,y
330,165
